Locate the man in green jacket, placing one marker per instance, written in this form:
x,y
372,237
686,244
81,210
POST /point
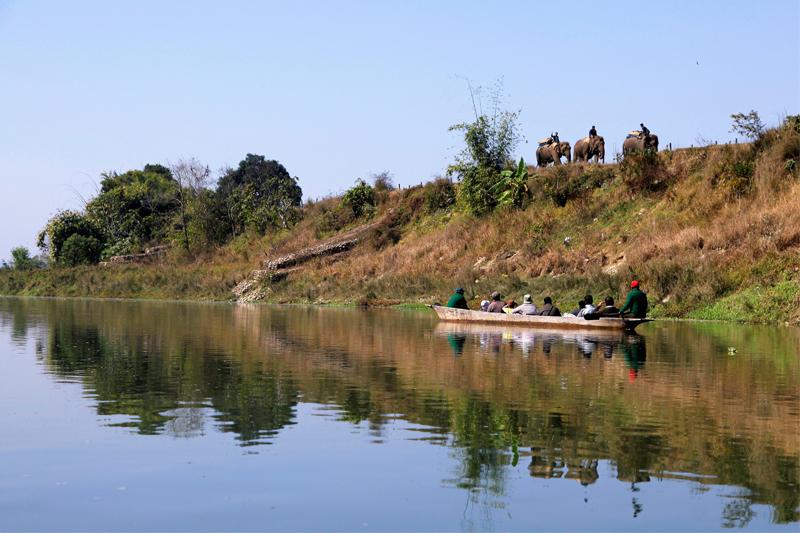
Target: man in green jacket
x,y
457,300
635,303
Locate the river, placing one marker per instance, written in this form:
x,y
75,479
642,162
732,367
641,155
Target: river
x,y
120,415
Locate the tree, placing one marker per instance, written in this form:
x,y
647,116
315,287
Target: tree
x,y
360,199
748,125
490,141
192,178
21,258
135,208
260,193
80,250
61,227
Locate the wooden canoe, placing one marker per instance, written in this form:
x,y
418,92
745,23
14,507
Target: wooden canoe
x,y
449,314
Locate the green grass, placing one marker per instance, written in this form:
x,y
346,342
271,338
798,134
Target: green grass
x,y
754,304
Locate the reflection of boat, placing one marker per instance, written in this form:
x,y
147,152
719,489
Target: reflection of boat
x,y
449,314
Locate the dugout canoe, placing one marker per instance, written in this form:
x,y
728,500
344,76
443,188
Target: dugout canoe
x,y
449,314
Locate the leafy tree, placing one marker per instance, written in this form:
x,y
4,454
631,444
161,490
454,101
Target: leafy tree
x,y
81,250
136,207
259,194
21,258
490,140
748,125
360,199
192,178
61,227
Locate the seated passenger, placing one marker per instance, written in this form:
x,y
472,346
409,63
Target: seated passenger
x,y
588,307
527,307
549,309
607,308
457,300
635,303
484,305
574,312
497,304
510,306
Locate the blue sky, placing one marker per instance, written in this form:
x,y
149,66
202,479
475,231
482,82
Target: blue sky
x,y
341,90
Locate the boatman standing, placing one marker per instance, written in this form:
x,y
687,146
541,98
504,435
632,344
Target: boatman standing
x,y
457,300
636,302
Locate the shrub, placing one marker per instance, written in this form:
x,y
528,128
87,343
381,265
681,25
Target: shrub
x,y
643,171
360,199
439,194
80,250
61,227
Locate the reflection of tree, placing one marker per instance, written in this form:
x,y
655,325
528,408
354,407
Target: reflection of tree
x,y
173,368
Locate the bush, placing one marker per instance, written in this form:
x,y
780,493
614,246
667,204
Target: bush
x,y
439,194
61,227
80,250
643,171
477,190
360,199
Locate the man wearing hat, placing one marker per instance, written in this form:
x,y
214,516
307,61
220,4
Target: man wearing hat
x,y
636,302
497,304
527,307
457,300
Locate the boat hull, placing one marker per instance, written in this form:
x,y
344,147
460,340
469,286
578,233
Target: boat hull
x,y
449,314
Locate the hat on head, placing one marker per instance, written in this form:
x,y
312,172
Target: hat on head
x,y
527,299
495,295
634,284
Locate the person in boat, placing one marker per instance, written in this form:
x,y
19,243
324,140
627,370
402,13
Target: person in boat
x,y
457,300
485,305
548,309
497,305
635,303
577,310
588,307
592,132
607,308
510,306
527,307
645,131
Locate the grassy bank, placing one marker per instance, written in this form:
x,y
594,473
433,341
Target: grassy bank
x,y
711,232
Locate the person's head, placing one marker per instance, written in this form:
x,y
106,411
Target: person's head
x,y
634,284
511,303
527,299
548,300
496,296
641,124
459,290
588,299
484,305
581,303
592,126
609,301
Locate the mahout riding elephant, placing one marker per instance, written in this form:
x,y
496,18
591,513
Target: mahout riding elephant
x,y
640,144
552,153
548,153
591,147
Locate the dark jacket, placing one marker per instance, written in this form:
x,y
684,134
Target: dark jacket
x,y
496,306
592,132
635,303
458,301
608,310
549,310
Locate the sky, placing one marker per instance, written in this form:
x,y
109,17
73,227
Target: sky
x,y
341,90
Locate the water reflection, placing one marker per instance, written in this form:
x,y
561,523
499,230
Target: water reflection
x,y
668,404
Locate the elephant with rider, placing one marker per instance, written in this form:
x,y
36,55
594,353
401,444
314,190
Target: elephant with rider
x,y
552,153
591,147
640,143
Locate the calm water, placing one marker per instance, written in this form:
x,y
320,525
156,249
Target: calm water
x,y
170,416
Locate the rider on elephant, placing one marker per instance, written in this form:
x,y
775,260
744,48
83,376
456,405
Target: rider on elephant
x,y
645,131
592,132
554,138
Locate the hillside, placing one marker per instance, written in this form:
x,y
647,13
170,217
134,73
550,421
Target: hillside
x,y
711,232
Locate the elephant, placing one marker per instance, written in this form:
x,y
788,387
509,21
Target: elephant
x,y
552,153
640,144
591,147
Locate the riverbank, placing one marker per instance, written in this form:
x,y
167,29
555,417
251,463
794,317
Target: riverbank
x,y
712,233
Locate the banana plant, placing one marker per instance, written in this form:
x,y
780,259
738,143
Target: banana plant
x,y
512,188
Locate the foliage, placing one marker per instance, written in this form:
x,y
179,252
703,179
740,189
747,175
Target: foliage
x,y
643,171
21,259
748,125
259,194
192,178
80,250
792,123
136,207
513,188
439,194
490,141
60,227
360,199
382,182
